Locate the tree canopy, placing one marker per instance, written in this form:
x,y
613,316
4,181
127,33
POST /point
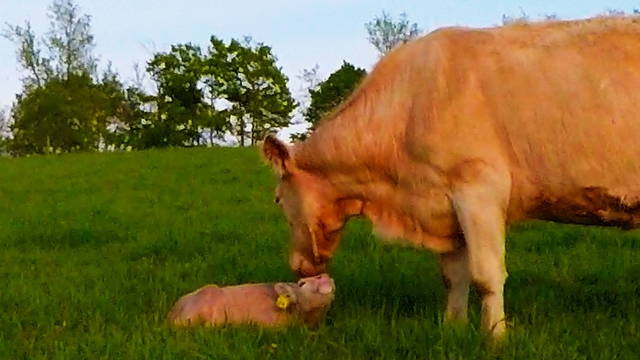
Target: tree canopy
x,y
201,95
385,33
331,92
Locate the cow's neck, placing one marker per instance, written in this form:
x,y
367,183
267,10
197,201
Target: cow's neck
x,y
360,153
422,220
398,210
357,136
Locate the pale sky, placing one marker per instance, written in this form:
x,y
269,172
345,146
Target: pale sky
x,y
302,32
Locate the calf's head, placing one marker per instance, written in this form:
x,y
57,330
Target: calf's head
x,y
309,297
313,208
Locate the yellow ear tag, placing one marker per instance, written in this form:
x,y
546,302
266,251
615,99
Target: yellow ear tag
x,y
282,302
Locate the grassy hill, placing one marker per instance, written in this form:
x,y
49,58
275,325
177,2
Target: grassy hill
x,y
95,249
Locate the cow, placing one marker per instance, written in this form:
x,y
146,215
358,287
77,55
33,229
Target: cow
x,y
459,133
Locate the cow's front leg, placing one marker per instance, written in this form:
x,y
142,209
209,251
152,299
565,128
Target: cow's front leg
x,y
480,195
454,268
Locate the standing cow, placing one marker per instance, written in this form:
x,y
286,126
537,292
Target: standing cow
x,y
463,131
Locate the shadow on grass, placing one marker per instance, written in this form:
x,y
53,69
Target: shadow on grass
x,y
406,293
391,293
532,291
403,296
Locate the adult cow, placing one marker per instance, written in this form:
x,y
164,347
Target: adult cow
x,y
459,133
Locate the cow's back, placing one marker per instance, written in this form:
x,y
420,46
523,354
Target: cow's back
x,y
557,103
567,100
561,101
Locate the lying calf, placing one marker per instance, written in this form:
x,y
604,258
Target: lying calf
x,y
262,304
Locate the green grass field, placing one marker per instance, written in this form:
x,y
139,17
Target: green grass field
x,y
95,249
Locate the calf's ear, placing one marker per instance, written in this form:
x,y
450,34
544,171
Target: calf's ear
x,y
276,153
288,290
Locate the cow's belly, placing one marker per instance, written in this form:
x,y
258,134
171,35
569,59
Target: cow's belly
x,y
585,181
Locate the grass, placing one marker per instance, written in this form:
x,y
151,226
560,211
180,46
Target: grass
x,y
95,249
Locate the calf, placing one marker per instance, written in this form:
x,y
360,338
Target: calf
x,y
264,304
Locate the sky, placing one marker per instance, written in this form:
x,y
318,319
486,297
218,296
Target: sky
x,y
302,33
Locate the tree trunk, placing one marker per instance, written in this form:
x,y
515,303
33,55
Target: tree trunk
x,y
242,125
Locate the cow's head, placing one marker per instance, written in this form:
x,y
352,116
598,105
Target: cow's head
x,y
314,209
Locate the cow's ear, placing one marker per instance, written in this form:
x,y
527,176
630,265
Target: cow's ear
x,y
276,153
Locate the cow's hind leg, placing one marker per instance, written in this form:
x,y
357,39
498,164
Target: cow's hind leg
x,y
454,267
480,195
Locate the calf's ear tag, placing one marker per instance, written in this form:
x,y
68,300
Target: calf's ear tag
x,y
282,302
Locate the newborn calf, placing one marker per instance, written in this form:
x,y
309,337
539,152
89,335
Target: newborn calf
x,y
262,304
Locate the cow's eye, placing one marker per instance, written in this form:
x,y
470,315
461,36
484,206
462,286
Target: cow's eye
x,y
277,199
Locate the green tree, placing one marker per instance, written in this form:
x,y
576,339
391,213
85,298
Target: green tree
x,y
69,43
5,130
63,115
127,106
385,33
334,90
214,122
179,101
63,106
191,83
28,54
246,75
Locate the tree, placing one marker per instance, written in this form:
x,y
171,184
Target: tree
x,y
247,77
63,115
192,84
4,124
5,130
385,33
28,54
179,102
333,91
310,81
216,121
63,106
127,106
69,43
66,106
